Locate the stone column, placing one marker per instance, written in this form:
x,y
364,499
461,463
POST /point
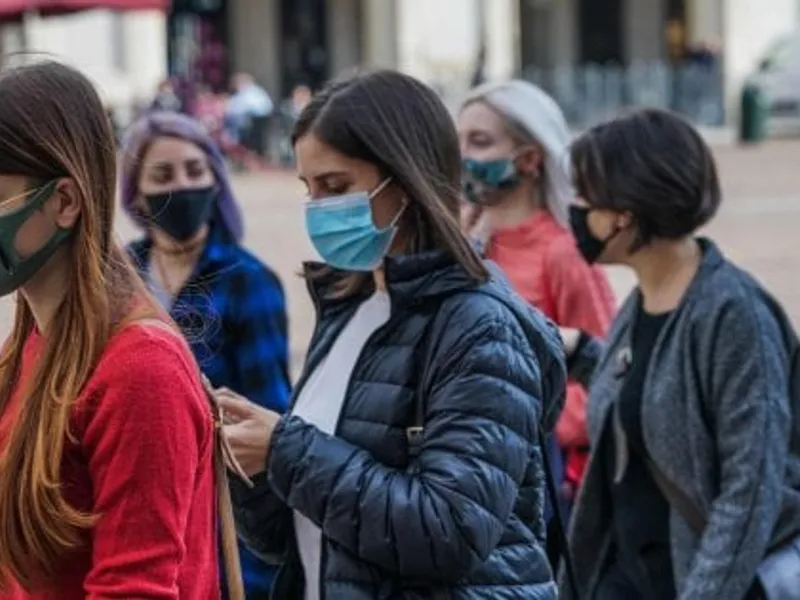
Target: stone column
x,y
644,27
379,33
704,19
254,34
344,35
502,38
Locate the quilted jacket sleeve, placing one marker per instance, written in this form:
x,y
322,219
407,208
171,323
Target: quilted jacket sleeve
x,y
439,519
263,521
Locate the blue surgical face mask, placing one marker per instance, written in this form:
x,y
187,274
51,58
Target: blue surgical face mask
x,y
481,177
344,233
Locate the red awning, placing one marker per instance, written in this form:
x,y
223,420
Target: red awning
x,y
14,9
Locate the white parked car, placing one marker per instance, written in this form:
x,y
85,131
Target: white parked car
x,y
778,75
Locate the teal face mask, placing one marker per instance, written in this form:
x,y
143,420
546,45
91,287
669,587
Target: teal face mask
x,y
481,177
15,271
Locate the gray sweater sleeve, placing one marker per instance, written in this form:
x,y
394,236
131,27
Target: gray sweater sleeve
x,y
741,350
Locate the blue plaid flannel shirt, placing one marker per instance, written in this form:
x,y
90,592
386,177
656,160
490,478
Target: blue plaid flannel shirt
x,y
233,313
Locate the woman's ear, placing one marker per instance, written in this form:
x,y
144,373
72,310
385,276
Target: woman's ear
x,y
529,162
66,201
625,221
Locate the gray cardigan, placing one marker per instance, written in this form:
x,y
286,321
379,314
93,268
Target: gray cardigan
x,y
716,421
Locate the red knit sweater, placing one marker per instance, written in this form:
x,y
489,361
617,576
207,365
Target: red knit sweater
x,y
143,464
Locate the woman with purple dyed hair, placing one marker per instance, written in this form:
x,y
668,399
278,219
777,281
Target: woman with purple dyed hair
x,y
229,305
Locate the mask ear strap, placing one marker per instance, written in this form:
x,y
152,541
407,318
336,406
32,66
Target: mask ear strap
x,y
528,148
381,186
378,190
399,214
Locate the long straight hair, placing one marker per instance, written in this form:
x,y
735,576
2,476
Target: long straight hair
x,y
53,125
398,124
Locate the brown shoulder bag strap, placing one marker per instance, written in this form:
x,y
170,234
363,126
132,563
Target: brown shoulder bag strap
x,y
224,460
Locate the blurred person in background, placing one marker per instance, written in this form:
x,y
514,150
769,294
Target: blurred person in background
x,y
166,99
289,113
106,435
247,116
694,476
515,145
299,99
209,109
229,305
703,81
411,465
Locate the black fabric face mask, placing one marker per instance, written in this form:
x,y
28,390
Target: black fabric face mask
x,y
589,246
181,213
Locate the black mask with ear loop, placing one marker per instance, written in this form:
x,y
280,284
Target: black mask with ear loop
x,y
589,246
181,213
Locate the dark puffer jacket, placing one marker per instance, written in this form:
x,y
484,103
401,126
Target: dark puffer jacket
x,y
462,519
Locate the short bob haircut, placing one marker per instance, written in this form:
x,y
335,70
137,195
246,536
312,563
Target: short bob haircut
x,y
400,126
653,165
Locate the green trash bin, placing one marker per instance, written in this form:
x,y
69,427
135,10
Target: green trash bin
x,y
755,113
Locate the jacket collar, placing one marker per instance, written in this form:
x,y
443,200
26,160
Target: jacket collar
x,y
410,279
711,260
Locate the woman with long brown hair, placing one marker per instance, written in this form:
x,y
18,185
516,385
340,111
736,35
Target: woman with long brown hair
x,y
411,465
106,440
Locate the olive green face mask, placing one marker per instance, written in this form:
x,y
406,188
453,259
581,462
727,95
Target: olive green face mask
x,y
15,271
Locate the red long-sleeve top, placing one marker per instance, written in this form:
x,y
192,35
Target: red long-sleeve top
x,y
143,463
542,261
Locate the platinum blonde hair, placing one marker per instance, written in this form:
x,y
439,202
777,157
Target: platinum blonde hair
x,y
533,115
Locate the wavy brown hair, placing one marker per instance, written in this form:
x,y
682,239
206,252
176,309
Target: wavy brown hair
x,y
52,126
